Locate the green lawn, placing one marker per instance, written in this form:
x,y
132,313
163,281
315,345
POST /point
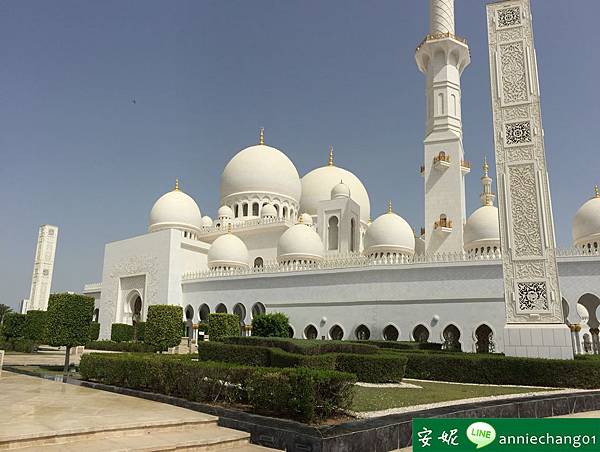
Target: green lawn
x,y
375,399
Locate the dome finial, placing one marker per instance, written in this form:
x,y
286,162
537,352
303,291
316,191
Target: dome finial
x,y
330,156
300,220
177,184
390,206
261,137
229,228
486,167
596,192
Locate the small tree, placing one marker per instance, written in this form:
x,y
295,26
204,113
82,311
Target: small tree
x,y
14,325
69,318
163,326
274,324
36,323
121,332
94,331
4,309
223,325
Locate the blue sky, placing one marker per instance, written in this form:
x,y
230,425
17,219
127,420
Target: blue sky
x,y
76,152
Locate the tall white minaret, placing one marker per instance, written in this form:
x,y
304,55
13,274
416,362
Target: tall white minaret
x,y
442,56
43,267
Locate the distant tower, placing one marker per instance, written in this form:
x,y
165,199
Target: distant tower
x,y
442,57
41,281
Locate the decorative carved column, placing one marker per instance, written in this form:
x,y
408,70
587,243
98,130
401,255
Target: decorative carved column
x,y
534,318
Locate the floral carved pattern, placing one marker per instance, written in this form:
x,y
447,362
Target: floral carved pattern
x,y
518,132
519,154
513,34
515,113
525,211
533,296
514,82
508,17
530,270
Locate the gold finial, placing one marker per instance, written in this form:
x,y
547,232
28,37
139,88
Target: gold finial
x,y
261,137
486,167
370,220
596,192
300,219
330,156
177,184
389,206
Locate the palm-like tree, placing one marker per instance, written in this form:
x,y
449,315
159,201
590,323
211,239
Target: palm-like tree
x,y
4,309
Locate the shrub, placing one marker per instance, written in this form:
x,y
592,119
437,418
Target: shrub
x,y
203,326
497,369
121,332
280,358
223,325
69,318
135,347
19,345
94,331
163,326
235,354
302,394
139,331
274,324
403,345
303,346
35,326
380,368
14,325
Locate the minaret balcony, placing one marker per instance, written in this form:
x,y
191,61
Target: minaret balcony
x,y
443,225
465,167
442,161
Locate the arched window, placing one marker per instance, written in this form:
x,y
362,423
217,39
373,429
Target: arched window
x,y
96,315
189,321
236,211
440,104
276,210
420,334
221,309
245,209
240,311
391,333
136,309
255,209
485,342
336,333
258,309
451,336
204,312
352,234
332,237
285,211
290,331
363,333
189,312
258,262
310,332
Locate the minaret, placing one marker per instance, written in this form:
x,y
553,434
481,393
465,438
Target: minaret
x,y
442,56
487,197
43,266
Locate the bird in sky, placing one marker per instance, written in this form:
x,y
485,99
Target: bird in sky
x,y
133,101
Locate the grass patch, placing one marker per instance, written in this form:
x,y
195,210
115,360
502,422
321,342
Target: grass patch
x,y
375,399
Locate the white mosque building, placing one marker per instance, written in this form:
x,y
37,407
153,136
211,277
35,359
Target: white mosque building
x,y
306,246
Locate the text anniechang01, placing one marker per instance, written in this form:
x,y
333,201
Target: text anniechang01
x,y
575,441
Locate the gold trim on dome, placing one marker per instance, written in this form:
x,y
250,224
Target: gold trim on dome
x,y
330,163
389,207
261,136
177,184
596,192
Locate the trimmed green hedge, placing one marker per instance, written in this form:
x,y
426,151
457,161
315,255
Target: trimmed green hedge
x,y
222,325
94,331
139,331
502,370
302,394
19,345
403,345
69,318
36,324
163,326
234,354
380,368
273,324
136,347
303,346
14,325
121,332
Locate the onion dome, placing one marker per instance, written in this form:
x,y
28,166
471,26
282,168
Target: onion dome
x,y
482,229
318,184
306,219
260,169
175,210
206,221
225,213
268,211
228,251
389,234
586,224
341,190
299,244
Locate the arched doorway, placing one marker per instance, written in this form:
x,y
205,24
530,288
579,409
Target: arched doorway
x,y
363,333
420,333
391,333
310,332
240,311
96,315
189,321
258,262
204,312
451,337
336,333
258,309
484,339
291,331
221,309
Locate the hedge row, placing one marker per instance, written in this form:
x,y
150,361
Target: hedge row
x,y
370,368
303,346
303,394
163,326
136,347
19,345
403,345
490,369
121,332
222,325
94,331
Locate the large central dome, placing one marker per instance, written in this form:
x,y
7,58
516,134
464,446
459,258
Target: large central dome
x,y
260,169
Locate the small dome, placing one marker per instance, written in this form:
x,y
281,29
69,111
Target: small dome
x,y
306,219
586,224
225,212
175,209
206,221
482,229
341,190
299,243
228,251
389,233
268,211
583,313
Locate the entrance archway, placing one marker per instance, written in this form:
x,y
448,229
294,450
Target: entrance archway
x,y
484,339
221,309
310,332
258,309
336,333
391,333
451,336
420,333
204,312
363,333
240,311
